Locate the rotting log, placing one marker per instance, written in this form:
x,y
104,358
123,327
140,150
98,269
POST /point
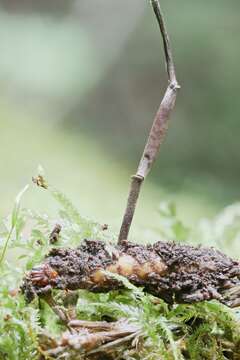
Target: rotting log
x,y
173,272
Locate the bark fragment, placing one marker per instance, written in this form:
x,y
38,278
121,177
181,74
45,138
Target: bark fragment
x,y
173,272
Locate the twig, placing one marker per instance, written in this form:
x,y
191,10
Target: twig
x,y
92,325
92,337
157,132
118,342
61,313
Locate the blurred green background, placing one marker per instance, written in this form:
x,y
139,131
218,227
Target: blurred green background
x,y
80,82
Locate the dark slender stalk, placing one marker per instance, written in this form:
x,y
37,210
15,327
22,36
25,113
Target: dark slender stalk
x,y
157,132
131,205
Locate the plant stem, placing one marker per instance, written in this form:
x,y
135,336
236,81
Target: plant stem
x,y
157,132
14,219
6,244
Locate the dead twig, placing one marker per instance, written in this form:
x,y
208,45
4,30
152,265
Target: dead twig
x,y
158,130
90,338
61,313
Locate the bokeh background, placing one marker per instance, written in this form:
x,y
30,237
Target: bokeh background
x,y
80,82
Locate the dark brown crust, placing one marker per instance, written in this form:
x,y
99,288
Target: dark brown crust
x,y
174,272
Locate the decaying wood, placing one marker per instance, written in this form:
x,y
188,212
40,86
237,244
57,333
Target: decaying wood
x,y
158,130
173,272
